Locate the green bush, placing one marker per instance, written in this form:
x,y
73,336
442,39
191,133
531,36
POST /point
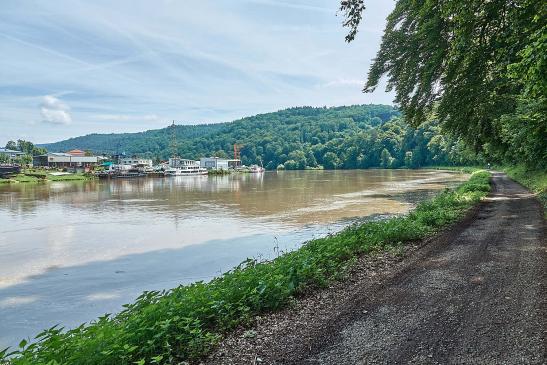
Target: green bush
x,y
185,323
535,180
37,174
25,178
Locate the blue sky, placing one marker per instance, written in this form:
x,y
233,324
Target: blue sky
x,y
70,68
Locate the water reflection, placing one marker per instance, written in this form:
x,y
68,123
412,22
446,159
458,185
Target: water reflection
x,y
72,250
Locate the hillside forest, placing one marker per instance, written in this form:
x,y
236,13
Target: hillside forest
x,y
348,137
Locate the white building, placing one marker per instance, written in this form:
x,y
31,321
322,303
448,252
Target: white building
x,y
215,163
63,160
142,162
176,163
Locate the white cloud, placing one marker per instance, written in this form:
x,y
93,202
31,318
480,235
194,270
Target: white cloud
x,y
54,111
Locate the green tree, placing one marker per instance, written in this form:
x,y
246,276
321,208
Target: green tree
x,y
408,159
11,145
299,158
25,159
386,158
291,165
25,146
310,159
220,154
331,161
476,65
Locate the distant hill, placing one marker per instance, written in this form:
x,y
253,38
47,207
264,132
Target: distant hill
x,y
296,137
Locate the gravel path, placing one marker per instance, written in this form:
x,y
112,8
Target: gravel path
x,y
477,294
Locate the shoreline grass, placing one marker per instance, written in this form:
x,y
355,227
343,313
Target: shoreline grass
x,y
24,178
71,177
185,323
35,177
534,180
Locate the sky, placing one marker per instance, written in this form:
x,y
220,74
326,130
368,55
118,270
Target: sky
x,y
69,68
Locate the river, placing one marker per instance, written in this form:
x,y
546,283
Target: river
x,y
71,251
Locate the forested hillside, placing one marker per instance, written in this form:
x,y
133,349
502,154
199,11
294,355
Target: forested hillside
x,y
342,137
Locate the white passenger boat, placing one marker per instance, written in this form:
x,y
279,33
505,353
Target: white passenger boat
x,y
256,169
184,167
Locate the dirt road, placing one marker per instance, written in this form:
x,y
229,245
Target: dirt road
x,y
473,295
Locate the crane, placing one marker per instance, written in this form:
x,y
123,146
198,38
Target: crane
x,y
237,151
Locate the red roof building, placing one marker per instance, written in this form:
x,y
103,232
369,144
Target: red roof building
x,y
76,153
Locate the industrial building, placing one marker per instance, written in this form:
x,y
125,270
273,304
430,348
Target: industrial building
x,y
65,160
215,163
141,162
176,162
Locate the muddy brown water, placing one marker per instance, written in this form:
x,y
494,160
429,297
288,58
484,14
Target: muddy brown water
x,y
70,251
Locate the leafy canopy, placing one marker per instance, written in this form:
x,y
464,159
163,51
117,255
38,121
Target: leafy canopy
x,y
479,66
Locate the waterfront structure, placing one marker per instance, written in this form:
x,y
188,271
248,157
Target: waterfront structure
x,y
65,160
234,163
256,169
141,162
215,163
181,167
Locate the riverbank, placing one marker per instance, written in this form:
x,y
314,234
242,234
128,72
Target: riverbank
x,y
34,176
462,169
187,322
474,293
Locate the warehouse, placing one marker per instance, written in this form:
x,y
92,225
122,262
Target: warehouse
x,y
65,160
215,163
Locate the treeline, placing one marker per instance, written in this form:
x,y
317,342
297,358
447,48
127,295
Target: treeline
x,y
360,136
393,144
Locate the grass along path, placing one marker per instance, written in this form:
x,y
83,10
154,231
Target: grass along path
x,y
185,323
535,180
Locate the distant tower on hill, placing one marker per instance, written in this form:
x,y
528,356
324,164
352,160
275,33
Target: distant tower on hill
x,y
173,144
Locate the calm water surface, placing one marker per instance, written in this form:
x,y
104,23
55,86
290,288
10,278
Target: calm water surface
x,y
70,251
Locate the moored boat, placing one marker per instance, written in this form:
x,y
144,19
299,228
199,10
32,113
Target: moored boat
x,y
9,169
256,169
184,167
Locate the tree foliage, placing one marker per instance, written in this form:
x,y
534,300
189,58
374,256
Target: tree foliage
x,y
25,146
478,66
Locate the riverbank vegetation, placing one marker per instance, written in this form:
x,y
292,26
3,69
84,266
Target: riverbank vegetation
x,y
185,323
478,67
34,176
534,180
